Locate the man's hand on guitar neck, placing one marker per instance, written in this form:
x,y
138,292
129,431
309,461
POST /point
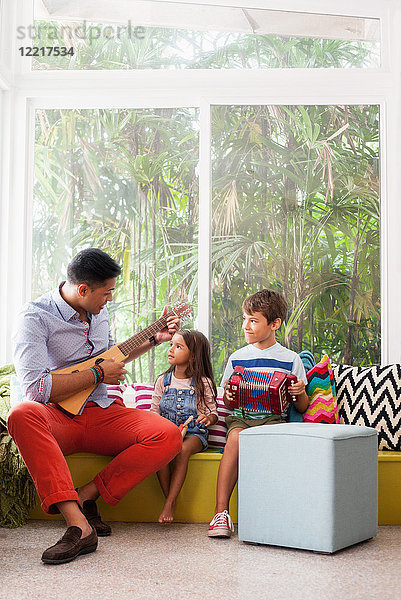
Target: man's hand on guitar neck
x,y
164,335
173,325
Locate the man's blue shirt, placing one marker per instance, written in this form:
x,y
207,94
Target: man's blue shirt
x,y
51,336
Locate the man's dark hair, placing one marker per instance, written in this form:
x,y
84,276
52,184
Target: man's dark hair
x,y
271,304
93,267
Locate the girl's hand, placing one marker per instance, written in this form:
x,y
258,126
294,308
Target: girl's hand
x,y
207,420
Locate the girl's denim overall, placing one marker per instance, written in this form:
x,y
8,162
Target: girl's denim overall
x,y
177,405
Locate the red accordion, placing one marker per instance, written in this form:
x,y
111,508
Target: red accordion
x,y
261,391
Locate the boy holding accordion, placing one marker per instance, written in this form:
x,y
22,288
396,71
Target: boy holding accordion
x,y
263,314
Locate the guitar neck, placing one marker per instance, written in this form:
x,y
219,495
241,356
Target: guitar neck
x,y
140,338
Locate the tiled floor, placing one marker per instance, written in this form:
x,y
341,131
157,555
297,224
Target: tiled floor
x,y
147,561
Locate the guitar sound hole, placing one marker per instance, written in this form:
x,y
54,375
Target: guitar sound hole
x,y
99,360
76,371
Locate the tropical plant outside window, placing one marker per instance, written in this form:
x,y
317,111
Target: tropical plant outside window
x,y
160,35
125,181
159,48
296,208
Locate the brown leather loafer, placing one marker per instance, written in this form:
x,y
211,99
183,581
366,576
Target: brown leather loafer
x,y
90,511
70,546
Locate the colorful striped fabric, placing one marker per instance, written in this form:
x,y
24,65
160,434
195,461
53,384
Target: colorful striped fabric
x,y
321,390
116,392
143,395
218,431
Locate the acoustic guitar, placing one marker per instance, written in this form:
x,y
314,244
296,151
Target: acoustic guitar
x,y
119,352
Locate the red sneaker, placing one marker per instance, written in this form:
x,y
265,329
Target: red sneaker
x,y
221,525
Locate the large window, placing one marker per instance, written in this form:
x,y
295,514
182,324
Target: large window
x,y
296,208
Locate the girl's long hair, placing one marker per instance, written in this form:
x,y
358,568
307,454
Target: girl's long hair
x,y
200,364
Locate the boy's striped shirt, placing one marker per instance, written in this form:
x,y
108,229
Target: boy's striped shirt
x,y
274,358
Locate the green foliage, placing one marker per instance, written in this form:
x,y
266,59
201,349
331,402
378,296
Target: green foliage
x,y
163,48
295,200
306,222
122,180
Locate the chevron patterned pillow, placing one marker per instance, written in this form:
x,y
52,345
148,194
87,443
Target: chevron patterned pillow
x,y
371,396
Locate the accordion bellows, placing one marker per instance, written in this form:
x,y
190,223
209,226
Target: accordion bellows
x,y
261,391
321,390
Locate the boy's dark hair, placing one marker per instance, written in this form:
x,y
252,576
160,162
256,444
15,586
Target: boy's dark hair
x,y
271,304
200,363
93,267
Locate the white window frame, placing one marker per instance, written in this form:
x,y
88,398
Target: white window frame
x,y
203,89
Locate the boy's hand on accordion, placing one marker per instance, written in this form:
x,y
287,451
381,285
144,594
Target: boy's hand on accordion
x,y
296,389
302,401
227,396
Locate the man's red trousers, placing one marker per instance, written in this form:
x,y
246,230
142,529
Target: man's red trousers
x,y
141,443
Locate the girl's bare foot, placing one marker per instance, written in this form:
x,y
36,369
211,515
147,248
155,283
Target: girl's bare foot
x,y
167,514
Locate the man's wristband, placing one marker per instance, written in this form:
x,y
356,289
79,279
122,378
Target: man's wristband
x,y
101,373
98,372
153,342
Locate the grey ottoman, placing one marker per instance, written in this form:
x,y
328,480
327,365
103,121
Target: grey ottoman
x,y
307,485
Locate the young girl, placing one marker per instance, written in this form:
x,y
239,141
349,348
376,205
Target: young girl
x,y
186,389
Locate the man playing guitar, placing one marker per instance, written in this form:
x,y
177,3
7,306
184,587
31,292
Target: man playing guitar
x,y
60,329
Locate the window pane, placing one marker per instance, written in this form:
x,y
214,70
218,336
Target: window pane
x,y
296,208
124,181
167,35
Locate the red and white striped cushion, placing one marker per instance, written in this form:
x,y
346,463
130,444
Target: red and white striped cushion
x,y
217,432
143,395
116,392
